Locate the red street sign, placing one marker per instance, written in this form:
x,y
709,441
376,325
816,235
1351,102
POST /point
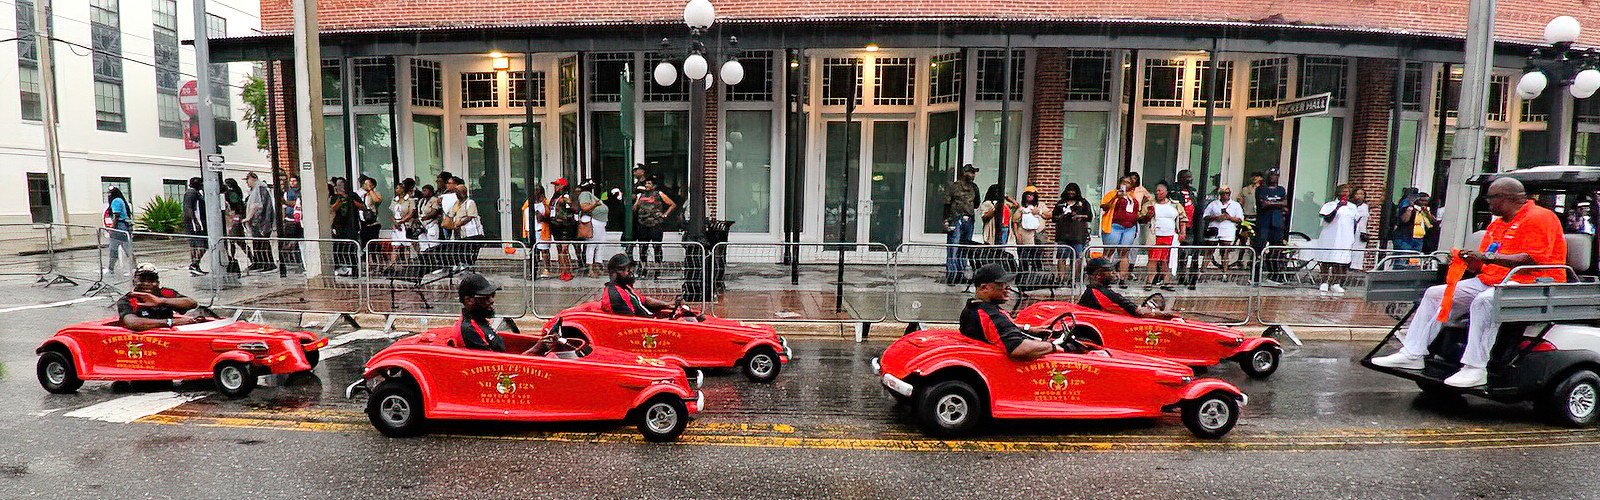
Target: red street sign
x,y
191,134
189,97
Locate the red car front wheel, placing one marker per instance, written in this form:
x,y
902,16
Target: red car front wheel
x,y
1211,416
950,408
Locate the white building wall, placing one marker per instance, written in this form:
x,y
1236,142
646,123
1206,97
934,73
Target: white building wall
x,y
87,153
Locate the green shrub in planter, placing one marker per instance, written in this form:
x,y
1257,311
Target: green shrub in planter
x,y
161,215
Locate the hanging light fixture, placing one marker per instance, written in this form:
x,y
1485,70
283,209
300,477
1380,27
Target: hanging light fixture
x,y
1563,29
699,14
695,66
665,74
1585,83
732,71
1531,85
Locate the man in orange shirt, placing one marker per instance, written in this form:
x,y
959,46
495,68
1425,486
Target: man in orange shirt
x,y
1522,234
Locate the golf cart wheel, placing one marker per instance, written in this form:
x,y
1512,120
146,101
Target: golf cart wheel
x,y
949,409
1211,416
234,379
1575,401
1262,361
662,418
762,365
395,409
57,374
312,357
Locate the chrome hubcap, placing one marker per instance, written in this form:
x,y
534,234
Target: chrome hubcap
x,y
55,373
232,378
951,409
1213,414
661,418
395,410
1262,360
1581,401
761,364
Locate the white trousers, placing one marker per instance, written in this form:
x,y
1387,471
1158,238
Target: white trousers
x,y
601,246
1472,296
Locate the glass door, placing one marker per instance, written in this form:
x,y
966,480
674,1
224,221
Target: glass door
x,y
865,168
483,175
497,172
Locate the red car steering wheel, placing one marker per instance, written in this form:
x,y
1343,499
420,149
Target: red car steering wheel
x,y
1061,329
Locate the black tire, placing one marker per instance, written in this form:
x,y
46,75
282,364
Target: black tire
x,y
1211,416
662,418
1573,402
395,409
312,357
233,379
1262,361
56,373
761,365
950,408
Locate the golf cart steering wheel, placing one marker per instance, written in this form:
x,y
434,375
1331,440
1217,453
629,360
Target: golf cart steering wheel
x,y
559,343
679,311
1155,301
1061,329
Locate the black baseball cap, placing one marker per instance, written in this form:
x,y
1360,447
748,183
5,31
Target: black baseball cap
x,y
476,284
1096,264
619,262
991,273
969,168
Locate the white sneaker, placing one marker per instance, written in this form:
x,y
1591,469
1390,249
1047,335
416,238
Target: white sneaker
x,y
1336,289
106,272
1400,360
1468,377
1267,282
1323,288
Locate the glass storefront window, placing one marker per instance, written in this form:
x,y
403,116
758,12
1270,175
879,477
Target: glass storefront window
x,y
1316,171
991,65
1083,151
483,174
332,85
894,81
747,171
522,143
375,153
610,159
945,79
1219,147
757,83
1491,152
1405,159
1586,149
1089,75
569,149
986,150
1269,81
1160,153
427,143
887,185
605,75
1320,74
1263,145
1163,82
333,145
842,167
1533,149
666,152
944,151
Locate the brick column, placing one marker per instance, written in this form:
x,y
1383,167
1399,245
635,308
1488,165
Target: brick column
x,y
284,106
711,146
1044,146
1369,136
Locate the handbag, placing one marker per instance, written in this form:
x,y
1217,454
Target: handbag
x,y
1030,222
585,230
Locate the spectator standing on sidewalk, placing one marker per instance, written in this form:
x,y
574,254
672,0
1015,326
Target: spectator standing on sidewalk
x,y
194,224
1121,210
1222,217
535,211
1027,225
1414,222
596,216
233,220
998,210
960,202
258,221
1167,221
1071,217
1247,196
563,221
1342,219
119,219
427,216
653,209
1272,225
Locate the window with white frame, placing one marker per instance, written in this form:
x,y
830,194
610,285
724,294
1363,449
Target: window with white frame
x,y
1224,77
1411,96
567,71
520,83
480,89
105,35
374,80
1589,110
427,83
605,75
1269,81
164,24
1164,83
991,67
1498,85
841,80
1320,74
332,84
945,78
894,81
1089,75
757,83
221,86
1537,110
28,61
1447,93
173,188
653,92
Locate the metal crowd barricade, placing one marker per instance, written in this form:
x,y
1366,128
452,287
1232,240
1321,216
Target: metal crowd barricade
x,y
324,276
666,270
932,281
1291,287
1214,284
802,281
28,250
83,254
421,278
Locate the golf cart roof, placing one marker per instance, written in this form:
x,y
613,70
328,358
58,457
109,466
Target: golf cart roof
x,y
1547,178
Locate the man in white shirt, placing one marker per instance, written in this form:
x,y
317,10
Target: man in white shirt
x,y
468,225
1222,218
447,193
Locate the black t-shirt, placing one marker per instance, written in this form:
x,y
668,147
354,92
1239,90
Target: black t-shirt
x,y
1103,298
476,334
1264,194
987,322
129,305
623,299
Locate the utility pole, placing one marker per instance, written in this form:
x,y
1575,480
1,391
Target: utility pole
x,y
1467,158
42,45
210,174
313,168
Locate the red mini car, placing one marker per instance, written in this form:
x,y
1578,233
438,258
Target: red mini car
x,y
230,352
704,342
953,382
1192,343
429,377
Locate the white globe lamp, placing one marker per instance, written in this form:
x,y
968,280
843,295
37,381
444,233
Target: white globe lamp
x,y
665,74
699,14
1563,29
732,72
695,66
1585,83
1531,85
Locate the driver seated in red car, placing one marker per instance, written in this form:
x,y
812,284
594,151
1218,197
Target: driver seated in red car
x,y
1098,276
149,305
984,319
619,297
477,311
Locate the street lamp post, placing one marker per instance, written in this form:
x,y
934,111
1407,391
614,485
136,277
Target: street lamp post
x,y
1560,66
699,15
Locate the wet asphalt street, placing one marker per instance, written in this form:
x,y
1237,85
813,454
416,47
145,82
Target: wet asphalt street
x,y
1321,427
